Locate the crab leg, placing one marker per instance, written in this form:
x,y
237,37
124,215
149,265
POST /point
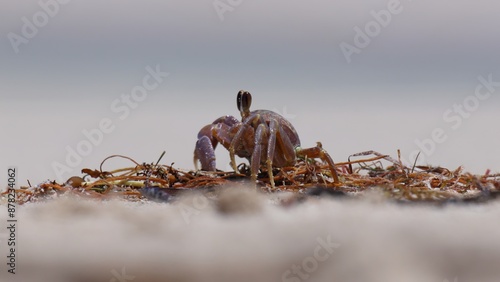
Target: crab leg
x,y
259,141
319,152
240,136
271,146
286,145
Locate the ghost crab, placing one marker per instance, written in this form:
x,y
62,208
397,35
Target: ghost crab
x,y
263,137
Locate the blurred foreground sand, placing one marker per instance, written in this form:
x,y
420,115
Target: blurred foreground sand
x,y
245,236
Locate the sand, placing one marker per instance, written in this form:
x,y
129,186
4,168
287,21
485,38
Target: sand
x,y
248,236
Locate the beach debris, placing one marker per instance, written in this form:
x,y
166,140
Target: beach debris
x,y
307,178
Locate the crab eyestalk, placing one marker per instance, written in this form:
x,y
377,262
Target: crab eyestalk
x,y
243,101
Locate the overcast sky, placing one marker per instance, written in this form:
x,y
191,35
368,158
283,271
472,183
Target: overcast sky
x,y
425,57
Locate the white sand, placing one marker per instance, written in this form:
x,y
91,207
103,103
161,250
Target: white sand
x,y
71,239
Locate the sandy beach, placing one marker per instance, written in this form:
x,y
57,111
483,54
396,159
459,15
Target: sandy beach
x,y
243,235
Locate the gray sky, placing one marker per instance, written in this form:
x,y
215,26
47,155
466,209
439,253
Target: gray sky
x,y
415,67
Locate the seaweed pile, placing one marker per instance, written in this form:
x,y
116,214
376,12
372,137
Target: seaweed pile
x,y
159,182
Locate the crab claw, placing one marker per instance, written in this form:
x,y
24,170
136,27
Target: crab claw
x,y
208,138
204,151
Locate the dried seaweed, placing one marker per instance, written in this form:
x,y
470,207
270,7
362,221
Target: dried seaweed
x,y
155,181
